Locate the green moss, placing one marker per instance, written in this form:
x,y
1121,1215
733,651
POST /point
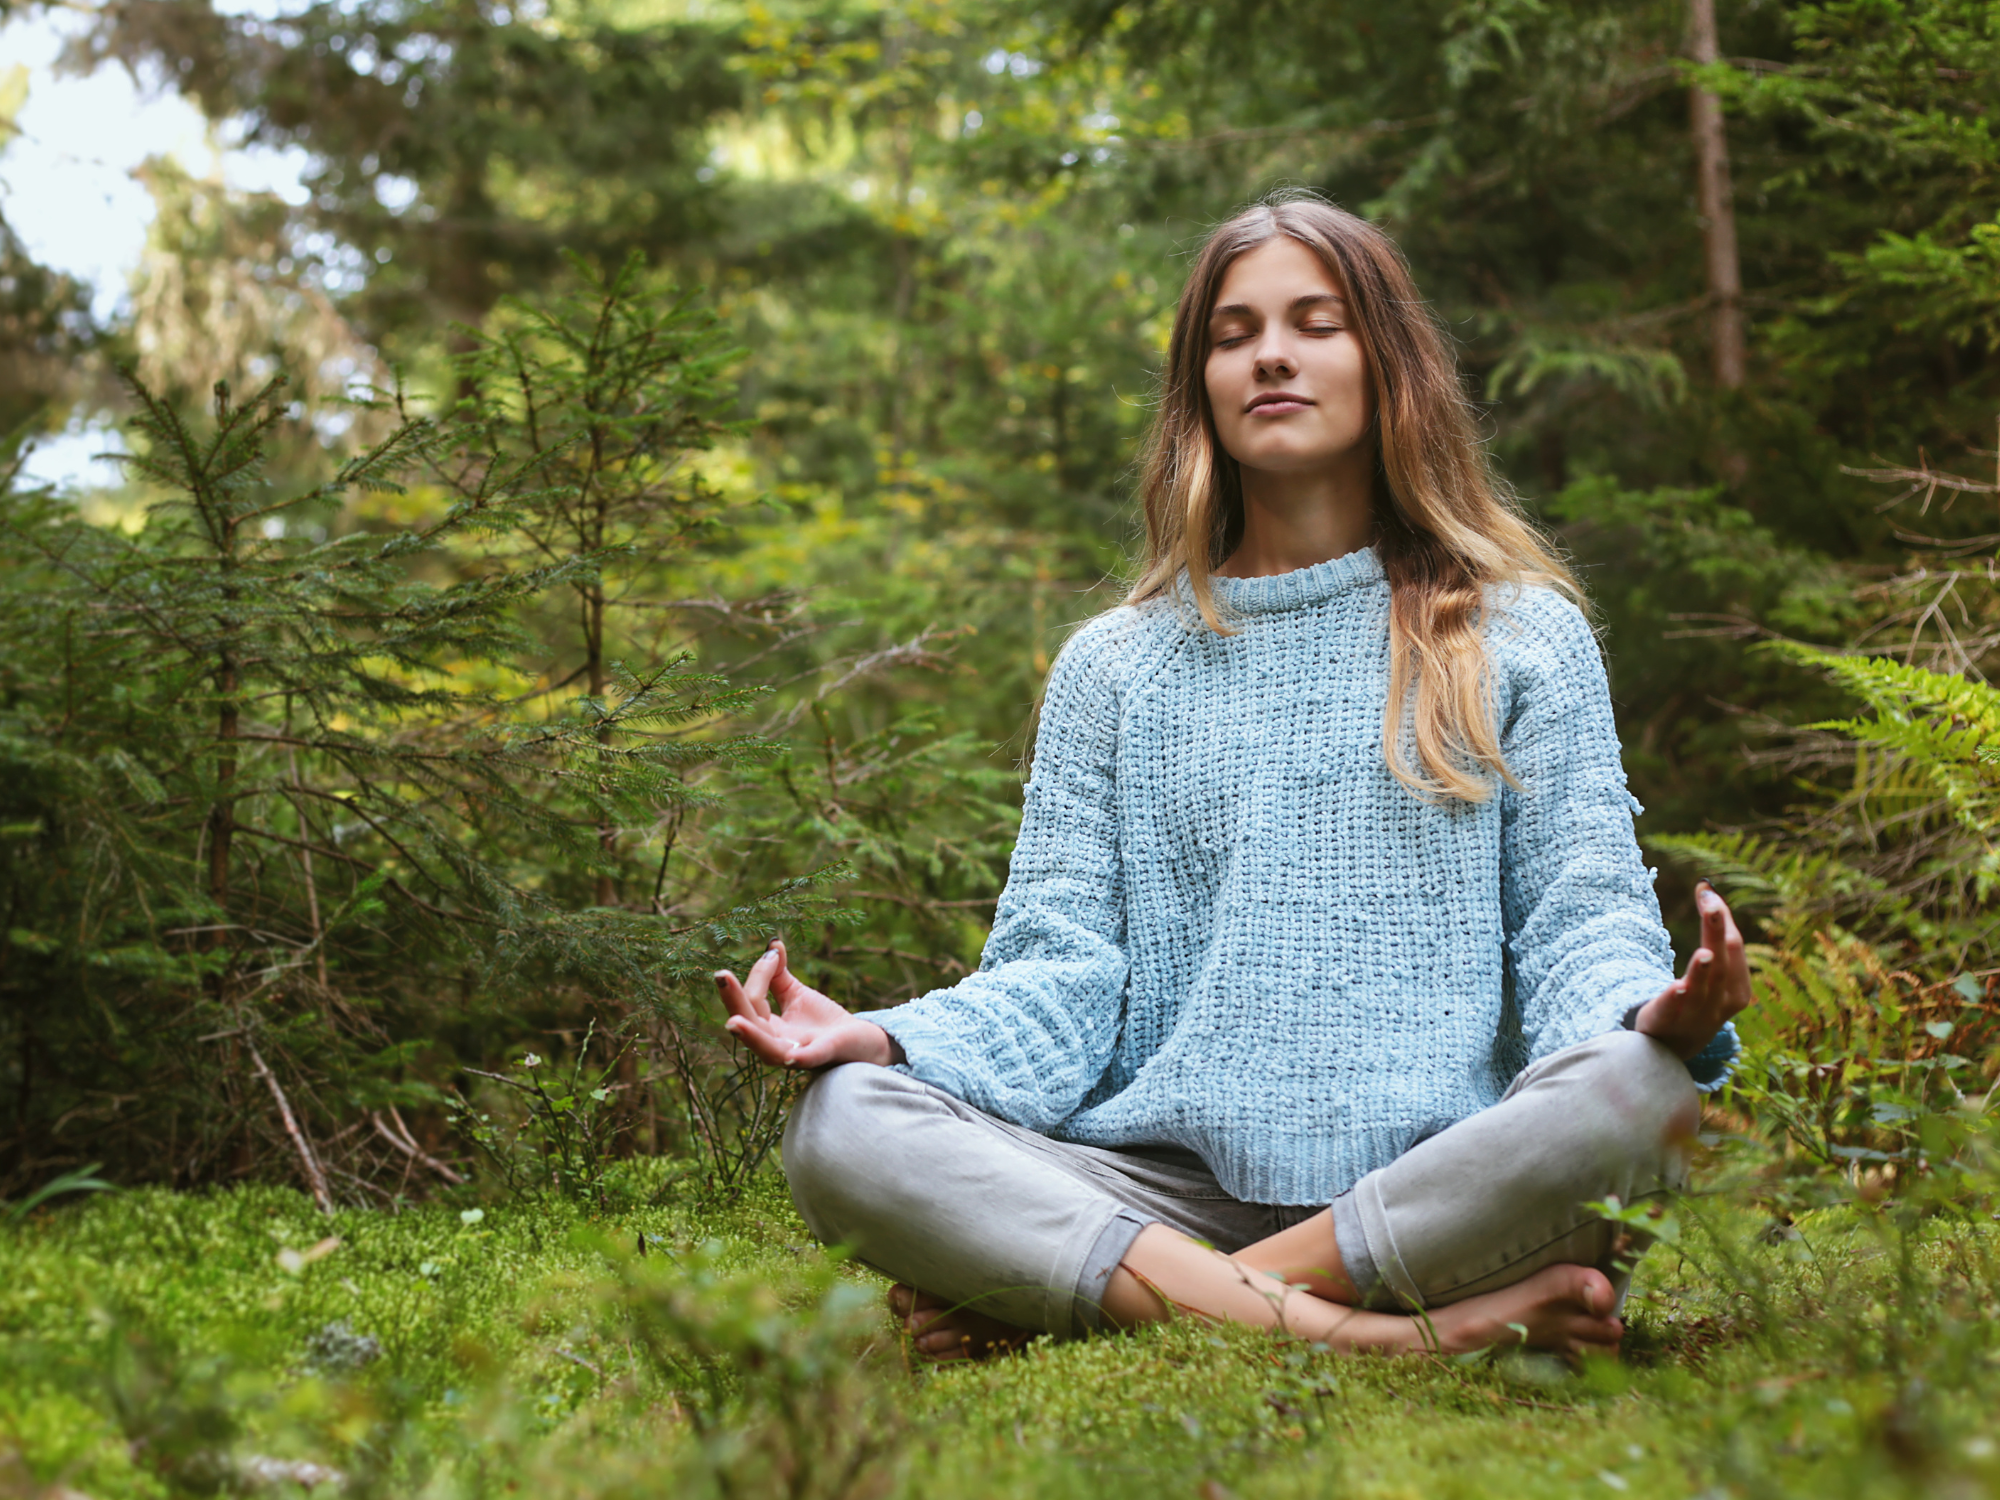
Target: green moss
x,y
157,1342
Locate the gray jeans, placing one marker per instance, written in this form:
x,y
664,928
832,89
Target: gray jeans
x,y
1029,1229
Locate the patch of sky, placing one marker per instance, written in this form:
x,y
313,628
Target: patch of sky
x,y
67,179
83,456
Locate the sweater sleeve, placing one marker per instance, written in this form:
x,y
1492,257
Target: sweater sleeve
x,y
1585,943
1027,1035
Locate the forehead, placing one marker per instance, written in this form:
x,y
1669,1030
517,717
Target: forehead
x,y
1274,275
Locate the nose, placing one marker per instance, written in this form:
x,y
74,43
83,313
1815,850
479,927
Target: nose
x,y
1275,360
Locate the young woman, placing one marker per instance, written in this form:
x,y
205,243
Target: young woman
x,y
1328,986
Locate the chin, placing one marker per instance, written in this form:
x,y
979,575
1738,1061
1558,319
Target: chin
x,y
1291,460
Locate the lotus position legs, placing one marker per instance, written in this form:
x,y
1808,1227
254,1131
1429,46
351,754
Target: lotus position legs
x,y
1566,1308
995,1233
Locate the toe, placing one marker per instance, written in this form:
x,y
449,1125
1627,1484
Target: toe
x,y
945,1345
1599,1334
1595,1293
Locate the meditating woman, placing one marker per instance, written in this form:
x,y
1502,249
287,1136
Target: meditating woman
x,y
1328,988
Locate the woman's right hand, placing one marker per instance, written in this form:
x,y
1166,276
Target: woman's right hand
x,y
807,1030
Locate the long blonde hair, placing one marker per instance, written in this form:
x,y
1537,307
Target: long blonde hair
x,y
1447,530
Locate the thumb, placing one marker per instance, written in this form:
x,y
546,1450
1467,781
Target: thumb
x,y
785,985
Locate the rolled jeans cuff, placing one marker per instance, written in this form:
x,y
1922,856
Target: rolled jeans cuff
x,y
1113,1241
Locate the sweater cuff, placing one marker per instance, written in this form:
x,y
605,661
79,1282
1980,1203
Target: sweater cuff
x,y
1711,1067
920,1047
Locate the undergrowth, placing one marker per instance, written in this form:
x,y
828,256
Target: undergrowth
x,y
239,1342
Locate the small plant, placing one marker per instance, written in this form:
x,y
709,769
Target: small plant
x,y
782,1400
564,1138
735,1108
82,1180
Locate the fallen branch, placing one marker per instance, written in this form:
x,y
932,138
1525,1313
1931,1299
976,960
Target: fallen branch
x,y
315,1174
407,1144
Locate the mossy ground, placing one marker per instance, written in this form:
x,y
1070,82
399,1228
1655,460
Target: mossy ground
x,y
159,1344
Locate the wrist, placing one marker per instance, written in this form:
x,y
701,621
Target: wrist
x,y
882,1048
1652,1019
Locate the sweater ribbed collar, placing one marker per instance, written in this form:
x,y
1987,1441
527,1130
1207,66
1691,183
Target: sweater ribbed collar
x,y
1299,589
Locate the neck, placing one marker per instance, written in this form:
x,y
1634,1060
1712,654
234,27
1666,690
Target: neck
x,y
1297,519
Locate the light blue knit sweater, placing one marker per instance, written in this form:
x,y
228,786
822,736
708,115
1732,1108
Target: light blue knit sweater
x,y
1227,927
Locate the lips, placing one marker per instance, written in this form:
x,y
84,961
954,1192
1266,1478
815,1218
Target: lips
x,y
1286,399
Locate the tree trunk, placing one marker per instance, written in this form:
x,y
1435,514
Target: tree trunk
x,y
222,816
1718,212
607,836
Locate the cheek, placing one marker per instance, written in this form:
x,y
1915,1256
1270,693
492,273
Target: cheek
x,y
1225,395
1215,377
1345,377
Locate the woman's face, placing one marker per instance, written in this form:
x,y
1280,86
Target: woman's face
x,y
1287,379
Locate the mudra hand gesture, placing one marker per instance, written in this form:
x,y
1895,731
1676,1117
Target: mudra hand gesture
x,y
1687,1014
806,1030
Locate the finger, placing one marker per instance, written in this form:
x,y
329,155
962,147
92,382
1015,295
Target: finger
x,y
733,997
818,1052
756,1035
1734,964
1730,932
785,985
1700,972
740,1000
758,985
767,1045
1715,919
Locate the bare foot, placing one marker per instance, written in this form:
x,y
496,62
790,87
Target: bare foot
x,y
942,1332
1563,1308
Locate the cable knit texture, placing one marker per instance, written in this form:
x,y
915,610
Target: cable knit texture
x,y
1227,927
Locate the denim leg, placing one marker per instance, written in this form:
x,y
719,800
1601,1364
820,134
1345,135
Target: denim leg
x,y
1499,1196
930,1191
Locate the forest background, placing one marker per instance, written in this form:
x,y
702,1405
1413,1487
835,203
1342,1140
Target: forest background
x,y
939,245
703,423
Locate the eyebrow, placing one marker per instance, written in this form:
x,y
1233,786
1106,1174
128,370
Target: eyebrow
x,y
1240,309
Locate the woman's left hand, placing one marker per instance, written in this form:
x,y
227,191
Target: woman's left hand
x,y
1688,1013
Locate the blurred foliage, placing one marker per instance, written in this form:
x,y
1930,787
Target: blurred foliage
x,y
946,238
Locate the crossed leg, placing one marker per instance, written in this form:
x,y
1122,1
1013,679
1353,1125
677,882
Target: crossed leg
x,y
1565,1308
1483,1226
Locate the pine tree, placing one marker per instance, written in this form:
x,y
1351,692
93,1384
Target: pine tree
x,y
268,805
